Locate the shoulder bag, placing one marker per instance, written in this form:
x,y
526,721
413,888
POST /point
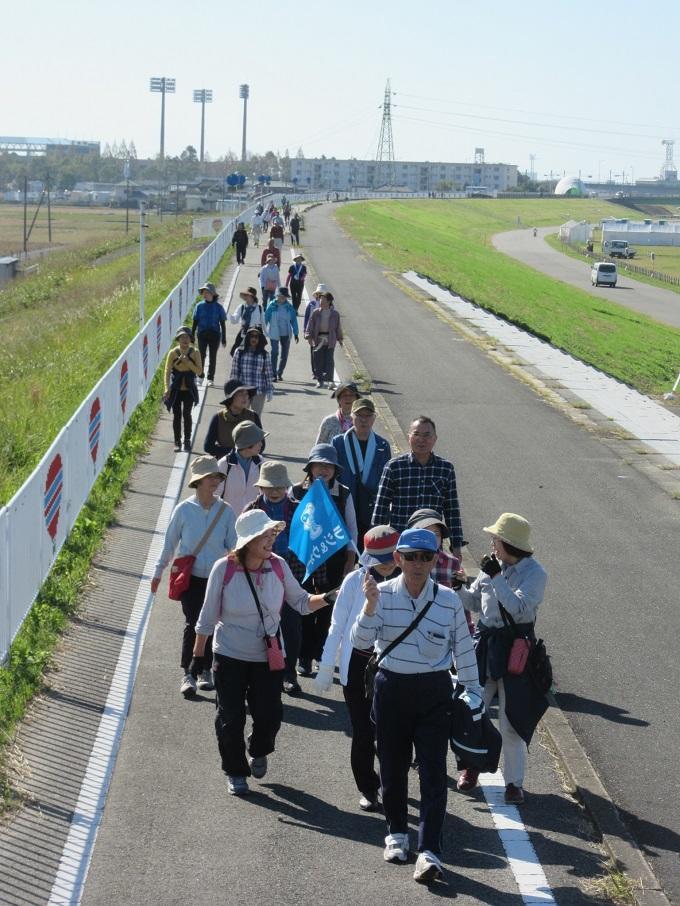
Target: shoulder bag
x,y
180,571
375,659
528,655
275,657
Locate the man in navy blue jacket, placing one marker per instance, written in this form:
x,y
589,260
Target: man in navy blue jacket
x,y
362,454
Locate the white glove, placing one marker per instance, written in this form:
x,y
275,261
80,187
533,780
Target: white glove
x,y
324,679
472,699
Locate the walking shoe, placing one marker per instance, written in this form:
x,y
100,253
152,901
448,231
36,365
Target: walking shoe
x,y
205,680
369,803
275,378
188,687
396,848
178,446
187,446
258,766
319,385
331,385
209,382
428,868
467,780
304,668
280,376
292,687
237,786
514,795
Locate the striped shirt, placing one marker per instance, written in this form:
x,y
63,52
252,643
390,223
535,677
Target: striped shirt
x,y
441,637
407,486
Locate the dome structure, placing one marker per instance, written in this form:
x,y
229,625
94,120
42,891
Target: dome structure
x,y
570,185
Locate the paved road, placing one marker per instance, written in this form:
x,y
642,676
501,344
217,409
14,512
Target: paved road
x,y
607,535
661,304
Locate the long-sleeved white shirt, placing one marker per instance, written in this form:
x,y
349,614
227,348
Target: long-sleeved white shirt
x,y
188,522
231,613
441,637
239,316
519,588
346,609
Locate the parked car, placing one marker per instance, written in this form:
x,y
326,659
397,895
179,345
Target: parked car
x,y
618,248
603,272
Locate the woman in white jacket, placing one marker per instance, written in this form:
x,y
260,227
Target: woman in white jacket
x,y
380,543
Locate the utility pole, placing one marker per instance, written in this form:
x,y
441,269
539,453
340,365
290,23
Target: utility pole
x,y
202,96
244,94
25,214
49,212
385,153
142,278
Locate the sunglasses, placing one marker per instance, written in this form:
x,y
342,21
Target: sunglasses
x,y
418,556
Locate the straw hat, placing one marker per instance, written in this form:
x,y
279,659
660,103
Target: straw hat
x,y
201,467
513,529
273,475
252,524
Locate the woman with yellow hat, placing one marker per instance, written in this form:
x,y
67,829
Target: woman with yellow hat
x,y
507,593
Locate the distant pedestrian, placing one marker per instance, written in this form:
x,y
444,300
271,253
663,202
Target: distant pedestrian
x,y
252,367
182,365
269,279
256,227
277,233
270,249
242,607
324,331
200,526
346,393
209,327
295,280
240,242
219,440
281,322
310,307
378,561
248,314
241,466
295,229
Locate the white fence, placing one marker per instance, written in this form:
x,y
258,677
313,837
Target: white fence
x,y
36,521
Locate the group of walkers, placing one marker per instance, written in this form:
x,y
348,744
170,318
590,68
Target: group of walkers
x,y
392,609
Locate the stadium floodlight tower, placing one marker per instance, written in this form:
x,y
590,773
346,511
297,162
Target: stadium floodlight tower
x,y
385,153
164,86
202,96
244,94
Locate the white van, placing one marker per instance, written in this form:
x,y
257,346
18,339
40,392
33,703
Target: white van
x,y
603,272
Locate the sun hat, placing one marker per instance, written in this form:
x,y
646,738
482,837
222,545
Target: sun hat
x,y
425,518
210,287
323,453
299,255
345,385
363,403
201,467
252,524
246,433
514,529
260,333
415,539
321,288
273,475
282,291
231,388
248,294
183,332
380,542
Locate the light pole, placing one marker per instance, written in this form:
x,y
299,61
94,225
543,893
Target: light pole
x,y
142,227
244,93
165,86
202,96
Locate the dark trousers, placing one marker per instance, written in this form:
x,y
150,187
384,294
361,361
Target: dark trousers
x,y
362,756
240,254
291,630
181,413
282,345
192,601
237,683
315,628
295,237
296,287
267,295
413,710
323,364
210,341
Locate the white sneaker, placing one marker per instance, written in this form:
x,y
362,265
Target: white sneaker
x,y
188,687
208,383
331,385
319,384
396,848
205,681
428,868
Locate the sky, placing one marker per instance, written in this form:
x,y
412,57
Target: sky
x,y
586,88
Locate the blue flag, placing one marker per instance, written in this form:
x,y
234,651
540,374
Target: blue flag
x,y
317,530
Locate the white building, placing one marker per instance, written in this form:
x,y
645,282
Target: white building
x,y
643,232
413,176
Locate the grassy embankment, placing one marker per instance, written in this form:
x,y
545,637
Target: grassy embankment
x,y
450,241
98,333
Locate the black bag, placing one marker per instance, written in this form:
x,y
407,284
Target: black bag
x,y
474,740
374,660
539,667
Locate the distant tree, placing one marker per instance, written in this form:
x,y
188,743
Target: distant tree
x,y
300,154
107,150
190,155
122,151
132,151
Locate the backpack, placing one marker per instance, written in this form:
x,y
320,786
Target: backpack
x,y
277,569
209,316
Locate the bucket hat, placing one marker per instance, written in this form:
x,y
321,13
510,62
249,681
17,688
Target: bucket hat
x,y
345,385
201,467
380,542
231,388
514,529
415,539
321,288
252,524
324,453
425,518
210,287
183,332
273,475
299,255
246,433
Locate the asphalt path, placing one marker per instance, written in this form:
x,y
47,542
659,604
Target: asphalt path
x,y
607,535
661,304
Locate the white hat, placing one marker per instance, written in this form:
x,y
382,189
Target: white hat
x,y
321,288
252,524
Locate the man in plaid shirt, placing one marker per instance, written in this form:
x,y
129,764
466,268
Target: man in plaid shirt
x,y
419,479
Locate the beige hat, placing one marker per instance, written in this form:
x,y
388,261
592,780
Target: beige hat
x,y
252,524
514,529
321,288
201,467
273,475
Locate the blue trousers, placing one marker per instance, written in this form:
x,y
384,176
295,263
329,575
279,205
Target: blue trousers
x,y
413,710
284,342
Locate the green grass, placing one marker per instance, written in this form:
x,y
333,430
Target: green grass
x,y
450,241
63,328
